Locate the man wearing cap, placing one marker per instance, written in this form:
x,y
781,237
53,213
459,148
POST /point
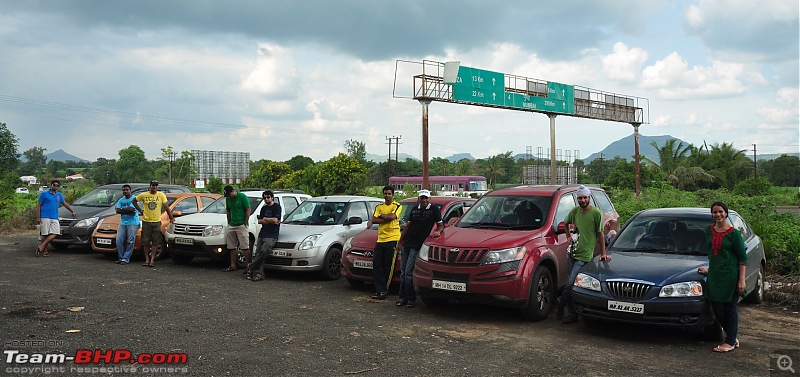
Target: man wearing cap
x,y
386,216
238,212
154,202
417,227
589,223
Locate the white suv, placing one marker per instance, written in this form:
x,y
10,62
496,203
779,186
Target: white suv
x,y
203,234
311,237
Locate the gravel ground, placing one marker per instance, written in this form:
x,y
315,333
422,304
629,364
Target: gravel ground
x,y
295,324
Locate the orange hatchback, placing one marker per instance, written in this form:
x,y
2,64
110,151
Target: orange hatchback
x,y
104,238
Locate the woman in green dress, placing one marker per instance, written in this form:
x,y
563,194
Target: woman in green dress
x,y
727,258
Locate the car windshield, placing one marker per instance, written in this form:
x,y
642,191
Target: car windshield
x,y
316,213
671,235
218,206
99,197
507,212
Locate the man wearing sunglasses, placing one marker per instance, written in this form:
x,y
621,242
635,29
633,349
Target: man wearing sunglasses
x,y
47,216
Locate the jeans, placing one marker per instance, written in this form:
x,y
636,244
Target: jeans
x,y
126,238
382,264
566,296
727,314
407,260
264,250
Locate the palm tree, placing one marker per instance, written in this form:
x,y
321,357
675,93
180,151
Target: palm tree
x,y
670,156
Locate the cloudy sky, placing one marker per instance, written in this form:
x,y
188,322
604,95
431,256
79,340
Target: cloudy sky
x,y
282,78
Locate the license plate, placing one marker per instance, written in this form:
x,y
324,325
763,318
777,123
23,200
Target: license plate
x,y
627,307
363,264
281,253
184,241
450,286
103,241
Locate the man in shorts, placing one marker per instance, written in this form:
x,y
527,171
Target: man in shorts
x,y
154,202
238,212
47,216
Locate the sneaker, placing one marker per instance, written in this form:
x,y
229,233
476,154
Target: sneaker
x,y
571,318
123,263
401,303
118,261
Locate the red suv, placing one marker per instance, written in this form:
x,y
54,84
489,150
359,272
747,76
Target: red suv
x,y
509,249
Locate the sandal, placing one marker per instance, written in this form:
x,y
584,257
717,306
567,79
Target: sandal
x,y
229,269
401,303
737,344
257,278
45,253
724,348
411,304
38,251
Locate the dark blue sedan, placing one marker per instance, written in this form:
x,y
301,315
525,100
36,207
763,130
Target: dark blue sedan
x,y
652,277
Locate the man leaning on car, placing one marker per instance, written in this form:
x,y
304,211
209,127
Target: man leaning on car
x,y
238,211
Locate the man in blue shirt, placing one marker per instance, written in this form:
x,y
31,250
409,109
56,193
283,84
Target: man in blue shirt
x,y
47,215
128,225
270,220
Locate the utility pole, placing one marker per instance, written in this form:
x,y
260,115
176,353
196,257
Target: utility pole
x,y
396,140
755,163
171,159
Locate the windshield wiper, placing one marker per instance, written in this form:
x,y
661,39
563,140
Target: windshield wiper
x,y
301,222
647,250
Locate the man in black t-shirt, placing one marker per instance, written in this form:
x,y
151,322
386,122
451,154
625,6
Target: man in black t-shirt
x,y
418,227
270,220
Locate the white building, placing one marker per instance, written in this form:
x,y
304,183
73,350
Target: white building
x,y
29,179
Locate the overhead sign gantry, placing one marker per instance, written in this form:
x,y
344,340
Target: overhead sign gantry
x,y
451,82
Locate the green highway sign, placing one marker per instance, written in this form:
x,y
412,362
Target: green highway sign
x,y
487,87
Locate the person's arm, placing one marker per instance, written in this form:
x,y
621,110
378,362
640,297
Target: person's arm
x,y
166,208
741,256
38,212
247,212
439,230
66,205
136,204
601,239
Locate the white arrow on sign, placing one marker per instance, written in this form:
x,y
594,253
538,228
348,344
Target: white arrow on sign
x,y
493,81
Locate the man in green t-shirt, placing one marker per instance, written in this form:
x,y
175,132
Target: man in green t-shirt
x,y
238,211
589,223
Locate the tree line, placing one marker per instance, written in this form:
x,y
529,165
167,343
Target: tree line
x,y
685,167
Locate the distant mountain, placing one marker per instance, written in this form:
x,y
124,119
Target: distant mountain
x,y
460,156
61,155
624,148
382,158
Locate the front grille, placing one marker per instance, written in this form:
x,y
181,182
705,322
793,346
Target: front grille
x,y
363,253
65,222
463,278
189,230
279,261
284,245
625,289
107,231
456,256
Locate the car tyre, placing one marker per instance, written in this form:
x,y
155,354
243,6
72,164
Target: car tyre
x,y
332,266
757,295
181,259
541,297
161,251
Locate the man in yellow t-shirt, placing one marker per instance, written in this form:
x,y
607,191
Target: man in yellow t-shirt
x,y
154,202
387,216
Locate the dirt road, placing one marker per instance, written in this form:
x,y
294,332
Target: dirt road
x,y
294,324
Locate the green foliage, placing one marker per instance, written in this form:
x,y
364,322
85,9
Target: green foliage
x,y
299,162
782,171
753,186
9,155
132,166
342,175
214,185
36,162
267,173
357,150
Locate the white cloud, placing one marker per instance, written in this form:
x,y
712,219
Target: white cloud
x,y
624,63
673,79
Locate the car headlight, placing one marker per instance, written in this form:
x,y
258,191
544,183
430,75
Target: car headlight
x,y
347,244
423,252
587,282
171,228
685,289
309,242
212,230
87,222
504,255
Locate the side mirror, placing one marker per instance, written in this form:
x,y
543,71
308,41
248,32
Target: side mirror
x,y
177,213
610,236
353,221
561,228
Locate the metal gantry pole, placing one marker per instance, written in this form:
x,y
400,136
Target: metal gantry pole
x,y
553,178
636,157
425,159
